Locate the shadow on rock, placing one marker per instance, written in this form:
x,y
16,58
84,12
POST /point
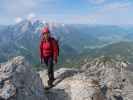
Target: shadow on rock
x,y
57,94
64,73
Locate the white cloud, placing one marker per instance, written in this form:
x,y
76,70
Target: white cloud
x,y
19,7
113,13
112,7
115,6
18,19
103,12
96,1
22,8
31,15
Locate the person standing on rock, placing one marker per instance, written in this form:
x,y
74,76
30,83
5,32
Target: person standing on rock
x,y
49,52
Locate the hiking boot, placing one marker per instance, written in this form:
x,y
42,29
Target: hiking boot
x,y
1,84
50,82
50,85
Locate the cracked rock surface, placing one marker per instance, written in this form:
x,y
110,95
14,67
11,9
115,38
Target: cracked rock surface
x,y
19,82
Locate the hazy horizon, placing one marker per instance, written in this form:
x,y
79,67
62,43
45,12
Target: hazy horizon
x,y
107,12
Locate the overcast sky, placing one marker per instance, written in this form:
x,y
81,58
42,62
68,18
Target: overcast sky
x,y
118,12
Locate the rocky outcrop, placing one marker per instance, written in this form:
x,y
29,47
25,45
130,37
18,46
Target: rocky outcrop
x,y
71,84
101,79
19,82
113,77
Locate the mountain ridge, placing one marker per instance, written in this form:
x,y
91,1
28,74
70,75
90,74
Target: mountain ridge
x,y
23,39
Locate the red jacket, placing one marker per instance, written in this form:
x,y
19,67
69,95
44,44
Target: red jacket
x,y
49,48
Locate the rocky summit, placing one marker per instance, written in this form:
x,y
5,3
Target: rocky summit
x,y
19,82
103,78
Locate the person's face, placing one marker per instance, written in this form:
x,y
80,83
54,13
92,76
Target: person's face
x,y
46,35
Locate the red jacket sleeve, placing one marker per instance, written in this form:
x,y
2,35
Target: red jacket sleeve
x,y
41,50
55,50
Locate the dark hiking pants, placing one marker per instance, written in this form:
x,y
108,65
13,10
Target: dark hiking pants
x,y
50,66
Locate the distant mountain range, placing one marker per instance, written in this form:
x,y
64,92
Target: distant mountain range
x,y
75,40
